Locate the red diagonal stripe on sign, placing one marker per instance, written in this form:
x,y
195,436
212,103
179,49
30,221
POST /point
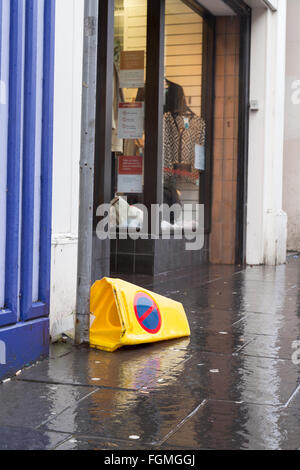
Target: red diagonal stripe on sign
x,y
146,314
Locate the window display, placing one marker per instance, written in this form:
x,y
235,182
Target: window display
x,y
183,131
184,128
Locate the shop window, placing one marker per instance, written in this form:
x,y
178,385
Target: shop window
x,y
175,137
184,126
128,134
183,149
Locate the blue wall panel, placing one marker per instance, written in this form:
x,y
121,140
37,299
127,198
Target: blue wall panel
x,y
29,157
23,344
4,88
10,314
47,160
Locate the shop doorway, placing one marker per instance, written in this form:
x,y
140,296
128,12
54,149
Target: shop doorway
x,y
171,128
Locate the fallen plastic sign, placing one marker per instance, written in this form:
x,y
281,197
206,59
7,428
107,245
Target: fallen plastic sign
x,y
147,313
125,314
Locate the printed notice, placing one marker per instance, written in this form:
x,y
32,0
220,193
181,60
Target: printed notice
x,y
200,157
131,120
130,174
132,69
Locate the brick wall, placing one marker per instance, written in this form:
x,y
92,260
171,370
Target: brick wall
x,y
225,155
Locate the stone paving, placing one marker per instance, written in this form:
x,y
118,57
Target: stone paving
x,y
234,384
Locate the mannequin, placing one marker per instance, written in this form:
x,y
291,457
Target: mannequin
x,y
175,99
183,129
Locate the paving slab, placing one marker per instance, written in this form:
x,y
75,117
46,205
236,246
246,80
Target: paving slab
x,y
129,369
234,384
91,443
120,415
30,404
19,438
249,379
232,426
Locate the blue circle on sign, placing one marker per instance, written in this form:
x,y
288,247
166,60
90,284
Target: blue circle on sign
x,y
147,313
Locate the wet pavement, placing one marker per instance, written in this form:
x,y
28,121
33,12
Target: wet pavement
x,y
234,384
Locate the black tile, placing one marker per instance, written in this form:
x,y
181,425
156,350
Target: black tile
x,y
145,246
144,264
113,263
113,246
125,263
126,246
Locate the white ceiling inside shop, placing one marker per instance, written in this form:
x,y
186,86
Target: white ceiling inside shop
x,y
273,4
216,7
219,8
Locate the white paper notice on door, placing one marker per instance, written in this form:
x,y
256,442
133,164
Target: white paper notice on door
x,y
200,157
130,174
131,120
132,69
132,78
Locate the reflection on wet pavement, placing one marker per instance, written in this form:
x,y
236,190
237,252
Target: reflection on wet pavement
x,y
232,385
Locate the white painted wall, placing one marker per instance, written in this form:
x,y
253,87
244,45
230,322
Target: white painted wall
x,y
267,222
67,126
291,187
